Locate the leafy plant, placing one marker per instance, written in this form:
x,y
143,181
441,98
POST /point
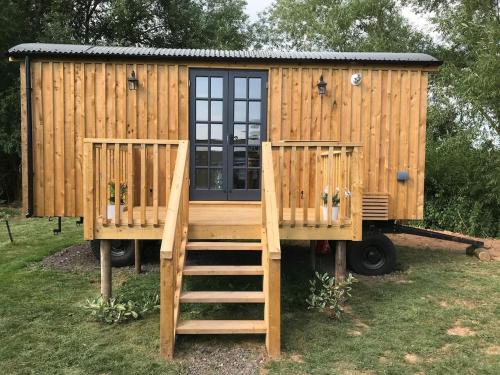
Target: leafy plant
x,y
335,198
112,192
328,297
119,310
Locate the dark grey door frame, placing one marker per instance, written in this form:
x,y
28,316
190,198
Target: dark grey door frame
x,y
226,192
246,193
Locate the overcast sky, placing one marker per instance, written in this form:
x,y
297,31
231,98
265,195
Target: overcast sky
x,y
419,22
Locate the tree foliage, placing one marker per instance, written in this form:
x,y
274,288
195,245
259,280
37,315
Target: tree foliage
x,y
356,25
218,24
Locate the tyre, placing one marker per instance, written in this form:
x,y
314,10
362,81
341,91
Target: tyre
x,y
375,255
122,252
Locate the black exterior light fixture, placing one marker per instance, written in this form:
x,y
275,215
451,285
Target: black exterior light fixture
x,y
132,81
321,85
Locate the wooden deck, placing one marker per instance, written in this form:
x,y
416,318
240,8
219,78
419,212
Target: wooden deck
x,y
220,220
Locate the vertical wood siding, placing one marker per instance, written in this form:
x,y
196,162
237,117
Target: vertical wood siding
x,y
386,113
73,100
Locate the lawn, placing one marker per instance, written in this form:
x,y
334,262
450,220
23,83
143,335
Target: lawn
x,y
438,315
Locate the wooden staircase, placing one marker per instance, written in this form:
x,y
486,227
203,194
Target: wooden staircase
x,y
190,327
183,234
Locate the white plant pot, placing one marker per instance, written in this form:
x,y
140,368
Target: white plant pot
x,y
335,212
111,210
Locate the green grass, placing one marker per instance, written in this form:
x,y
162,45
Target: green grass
x,y
44,329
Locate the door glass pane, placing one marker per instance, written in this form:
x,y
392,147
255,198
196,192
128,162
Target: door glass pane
x,y
201,156
240,111
254,134
239,159
254,111
202,87
216,156
216,179
201,178
216,110
254,88
240,88
201,133
216,133
201,110
253,178
216,87
240,133
253,157
239,177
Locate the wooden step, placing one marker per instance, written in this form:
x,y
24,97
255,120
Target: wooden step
x,y
193,327
215,246
222,270
222,297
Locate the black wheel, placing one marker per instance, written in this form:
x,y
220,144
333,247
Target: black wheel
x,y
375,255
122,252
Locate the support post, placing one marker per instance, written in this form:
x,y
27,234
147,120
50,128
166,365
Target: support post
x,y
273,300
340,261
137,248
167,294
105,269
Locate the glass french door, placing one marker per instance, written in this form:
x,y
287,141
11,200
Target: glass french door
x,y
227,125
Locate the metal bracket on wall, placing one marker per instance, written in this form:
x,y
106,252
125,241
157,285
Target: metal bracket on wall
x,y
57,230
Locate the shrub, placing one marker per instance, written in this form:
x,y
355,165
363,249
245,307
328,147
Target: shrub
x,y
117,310
327,297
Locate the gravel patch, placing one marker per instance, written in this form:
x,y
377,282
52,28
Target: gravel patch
x,y
240,355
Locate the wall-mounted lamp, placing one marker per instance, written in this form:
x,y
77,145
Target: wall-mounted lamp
x,y
132,81
321,86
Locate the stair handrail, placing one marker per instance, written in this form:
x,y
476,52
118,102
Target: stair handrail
x,y
174,208
172,247
269,207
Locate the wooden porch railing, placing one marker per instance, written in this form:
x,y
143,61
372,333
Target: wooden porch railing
x,y
309,175
127,183
173,251
271,253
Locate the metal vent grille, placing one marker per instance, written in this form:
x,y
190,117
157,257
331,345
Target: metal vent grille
x,y
375,206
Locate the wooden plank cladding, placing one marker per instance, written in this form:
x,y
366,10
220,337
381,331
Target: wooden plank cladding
x,y
320,185
386,113
73,100
127,185
77,100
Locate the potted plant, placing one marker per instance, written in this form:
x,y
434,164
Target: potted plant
x,y
112,195
335,204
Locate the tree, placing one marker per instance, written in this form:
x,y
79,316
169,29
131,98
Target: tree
x,y
152,23
469,46
356,25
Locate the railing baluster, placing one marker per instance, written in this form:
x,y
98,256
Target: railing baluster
x,y
118,185
305,185
331,189
356,198
281,193
143,184
318,188
155,185
293,176
104,183
130,184
343,163
168,181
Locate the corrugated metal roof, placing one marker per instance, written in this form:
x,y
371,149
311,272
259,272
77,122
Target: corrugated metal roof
x,y
44,49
